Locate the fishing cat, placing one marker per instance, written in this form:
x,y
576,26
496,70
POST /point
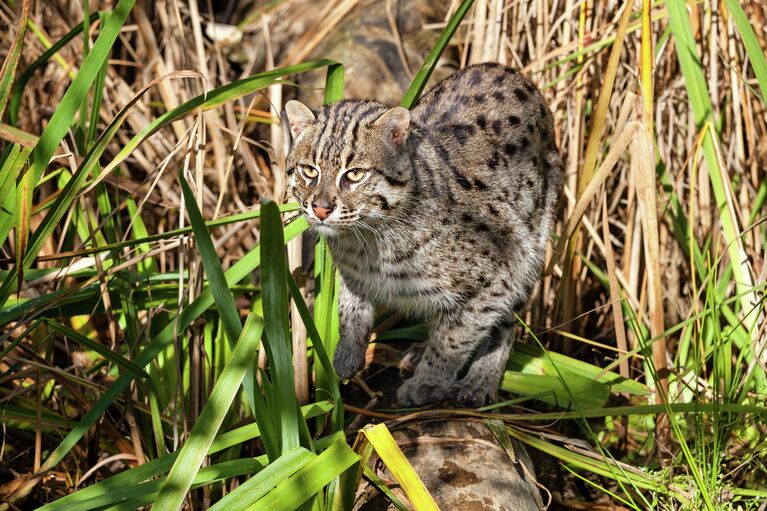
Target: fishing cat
x,y
442,213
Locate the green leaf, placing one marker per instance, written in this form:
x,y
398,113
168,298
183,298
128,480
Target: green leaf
x,y
263,482
102,350
65,112
289,494
550,389
154,468
212,416
274,291
8,71
753,48
21,83
164,338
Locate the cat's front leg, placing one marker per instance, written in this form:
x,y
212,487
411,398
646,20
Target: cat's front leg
x,y
452,340
356,319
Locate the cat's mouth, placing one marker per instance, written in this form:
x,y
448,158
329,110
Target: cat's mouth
x,y
326,229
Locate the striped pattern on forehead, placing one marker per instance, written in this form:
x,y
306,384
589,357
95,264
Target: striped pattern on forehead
x,y
337,142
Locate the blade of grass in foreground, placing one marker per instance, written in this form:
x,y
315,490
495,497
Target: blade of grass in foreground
x,y
753,48
401,469
307,482
193,452
258,486
700,102
164,338
157,467
8,71
274,292
230,316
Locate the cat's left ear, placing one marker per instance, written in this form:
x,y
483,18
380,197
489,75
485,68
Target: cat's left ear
x,y
395,124
299,117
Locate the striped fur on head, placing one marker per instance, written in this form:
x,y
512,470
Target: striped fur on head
x,y
348,161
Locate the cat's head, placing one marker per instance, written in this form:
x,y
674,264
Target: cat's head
x,y
348,163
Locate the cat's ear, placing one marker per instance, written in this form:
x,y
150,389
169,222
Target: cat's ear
x,y
395,124
299,117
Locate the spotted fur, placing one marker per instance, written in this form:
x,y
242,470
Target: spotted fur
x,y
449,223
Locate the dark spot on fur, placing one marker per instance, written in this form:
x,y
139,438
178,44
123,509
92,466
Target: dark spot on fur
x,y
394,182
479,98
497,127
534,161
510,149
494,160
530,127
492,210
479,184
384,203
475,78
499,96
520,94
482,227
499,79
463,181
481,122
543,110
530,87
514,120
466,217
462,132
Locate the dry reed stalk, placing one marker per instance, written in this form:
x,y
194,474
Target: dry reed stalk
x,y
615,295
644,175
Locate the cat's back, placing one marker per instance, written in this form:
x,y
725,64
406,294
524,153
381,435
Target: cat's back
x,y
488,139
484,99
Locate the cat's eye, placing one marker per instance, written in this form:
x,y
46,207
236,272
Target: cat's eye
x,y
309,171
355,175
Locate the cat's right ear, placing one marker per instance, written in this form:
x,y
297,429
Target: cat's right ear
x,y
299,117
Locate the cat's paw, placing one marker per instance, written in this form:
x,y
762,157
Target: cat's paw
x,y
417,392
349,359
476,392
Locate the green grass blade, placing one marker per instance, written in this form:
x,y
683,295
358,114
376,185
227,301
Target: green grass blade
x,y
8,71
21,83
753,48
289,494
161,465
77,92
422,77
147,492
331,380
102,350
67,196
164,338
212,416
263,482
334,83
274,291
700,103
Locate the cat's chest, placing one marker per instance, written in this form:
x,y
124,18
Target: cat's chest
x,y
408,287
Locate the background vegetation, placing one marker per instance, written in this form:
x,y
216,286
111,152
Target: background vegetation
x,y
143,272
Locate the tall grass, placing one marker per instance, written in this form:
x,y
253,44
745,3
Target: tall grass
x,y
146,347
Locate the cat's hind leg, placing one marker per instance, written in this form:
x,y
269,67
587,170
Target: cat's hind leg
x,y
452,340
480,385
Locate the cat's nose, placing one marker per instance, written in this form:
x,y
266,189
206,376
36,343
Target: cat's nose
x,y
322,209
